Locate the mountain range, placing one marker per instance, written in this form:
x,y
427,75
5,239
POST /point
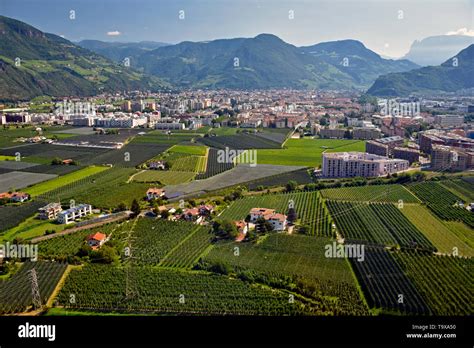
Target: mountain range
x,y
33,63
434,50
454,74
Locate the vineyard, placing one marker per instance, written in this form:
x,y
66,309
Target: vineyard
x,y
240,141
383,281
442,202
151,239
186,254
144,289
461,188
15,293
164,177
301,177
308,206
444,282
436,230
297,256
12,215
106,189
373,193
213,166
377,223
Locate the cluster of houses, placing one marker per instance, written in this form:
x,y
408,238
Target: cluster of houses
x,y
14,197
54,211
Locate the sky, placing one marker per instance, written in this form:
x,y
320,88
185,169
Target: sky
x,y
386,26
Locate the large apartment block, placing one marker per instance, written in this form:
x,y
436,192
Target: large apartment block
x,y
71,214
50,211
447,158
411,155
352,164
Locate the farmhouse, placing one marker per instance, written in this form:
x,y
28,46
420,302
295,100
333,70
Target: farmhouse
x,y
154,193
16,197
50,211
192,214
277,220
206,210
71,214
96,240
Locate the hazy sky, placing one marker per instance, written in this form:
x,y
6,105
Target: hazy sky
x,y
385,26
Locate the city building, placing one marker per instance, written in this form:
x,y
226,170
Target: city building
x,y
366,133
449,120
352,164
411,155
447,158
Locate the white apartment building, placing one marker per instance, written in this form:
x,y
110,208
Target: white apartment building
x,y
449,120
352,164
69,215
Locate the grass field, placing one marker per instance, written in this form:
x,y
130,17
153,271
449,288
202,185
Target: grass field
x,y
189,149
31,228
436,231
306,152
50,185
373,193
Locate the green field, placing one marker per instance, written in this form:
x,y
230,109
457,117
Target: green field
x,y
330,279
164,177
306,152
373,193
31,228
50,185
436,231
461,188
189,149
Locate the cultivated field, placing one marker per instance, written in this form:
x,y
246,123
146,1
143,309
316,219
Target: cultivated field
x,y
164,177
372,193
18,180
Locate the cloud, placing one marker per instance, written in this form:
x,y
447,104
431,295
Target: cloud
x,y
461,31
114,33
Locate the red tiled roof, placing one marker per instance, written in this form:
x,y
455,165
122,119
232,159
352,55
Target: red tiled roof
x,y
97,236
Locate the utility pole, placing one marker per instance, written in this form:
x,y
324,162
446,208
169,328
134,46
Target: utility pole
x,y
35,293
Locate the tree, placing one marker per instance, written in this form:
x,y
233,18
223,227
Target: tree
x,y
105,254
56,161
263,226
135,207
225,229
165,214
291,185
292,216
121,207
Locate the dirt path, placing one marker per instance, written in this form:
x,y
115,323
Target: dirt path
x,y
132,176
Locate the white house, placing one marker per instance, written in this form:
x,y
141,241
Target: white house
x,y
71,214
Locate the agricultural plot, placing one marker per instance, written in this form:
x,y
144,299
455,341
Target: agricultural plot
x,y
462,188
213,166
308,206
187,164
15,293
130,155
442,202
376,223
82,155
300,176
101,139
444,282
52,169
16,165
187,253
240,174
302,258
240,141
161,138
12,215
373,193
436,231
63,180
306,152
189,149
18,180
152,239
149,290
385,284
104,190
164,177
9,136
